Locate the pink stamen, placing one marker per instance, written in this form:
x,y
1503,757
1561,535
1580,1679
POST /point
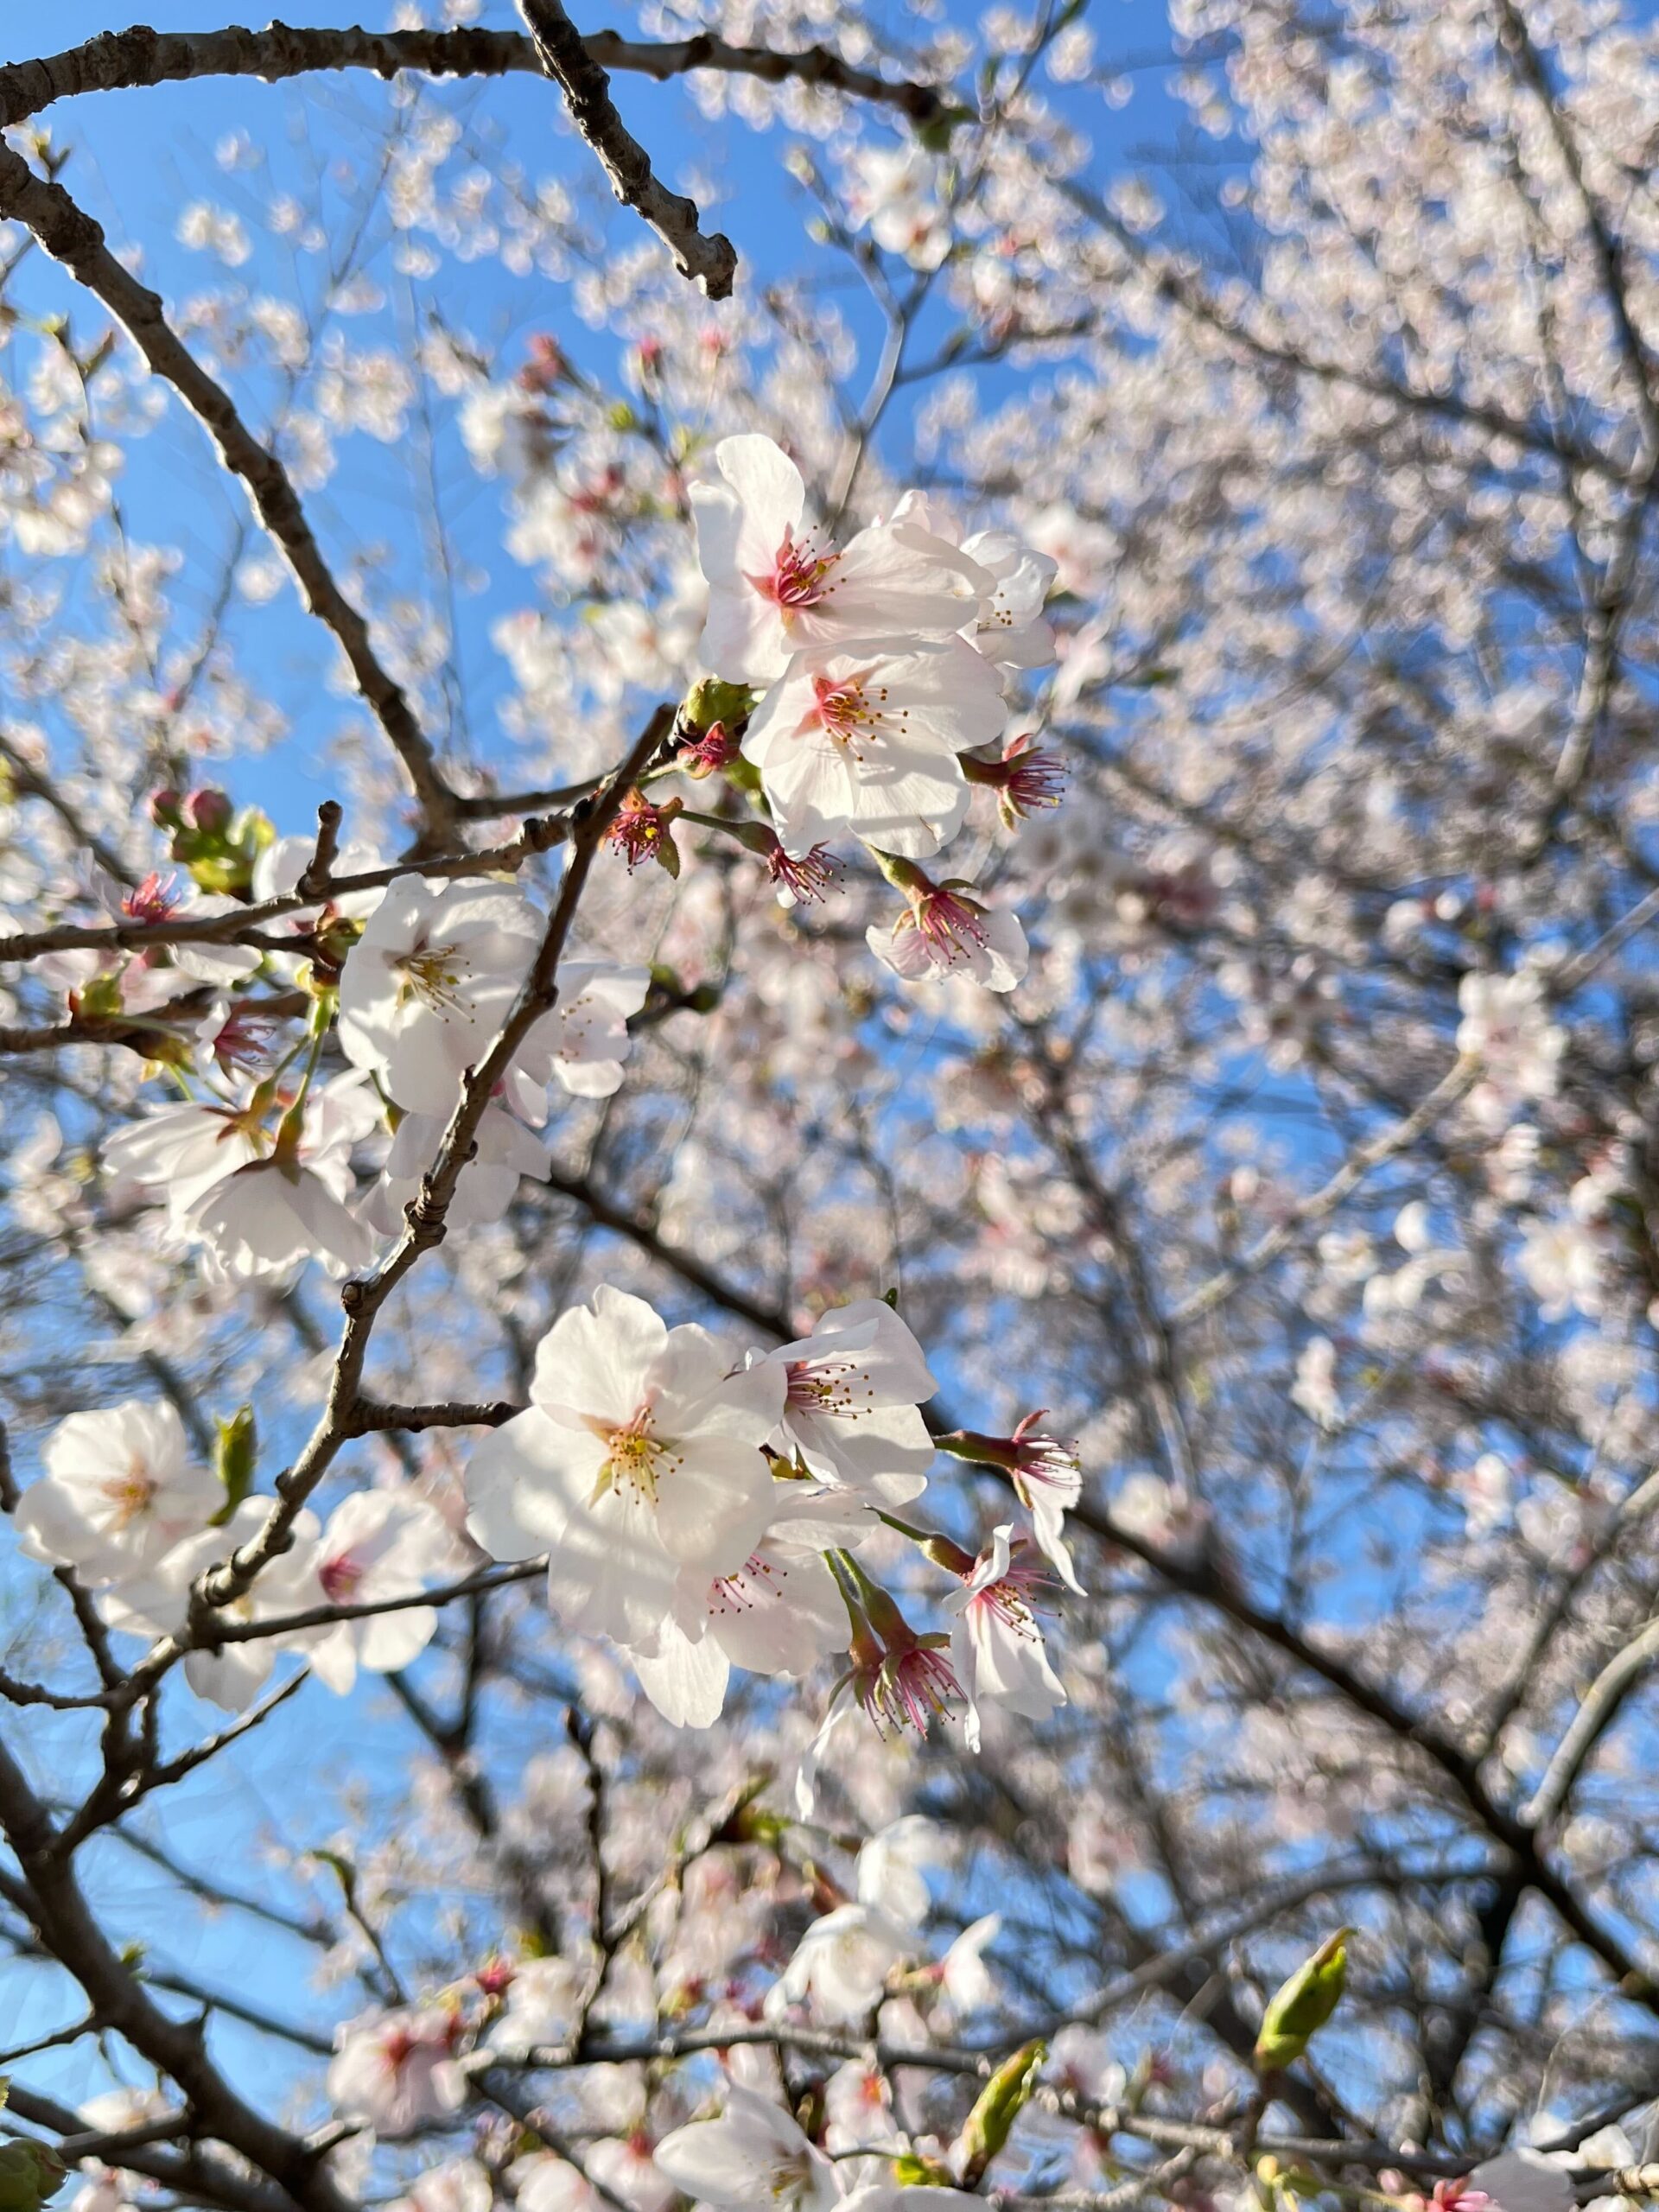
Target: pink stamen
x,y
800,573
153,901
954,928
809,878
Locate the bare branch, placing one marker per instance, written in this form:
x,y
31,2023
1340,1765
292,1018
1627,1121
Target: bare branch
x,y
710,259
71,236
117,60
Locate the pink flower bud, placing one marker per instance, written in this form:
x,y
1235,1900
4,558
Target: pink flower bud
x,y
210,811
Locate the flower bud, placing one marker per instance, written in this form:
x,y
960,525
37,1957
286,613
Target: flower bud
x,y
1298,2010
210,811
911,2170
166,809
235,1455
991,2123
30,2174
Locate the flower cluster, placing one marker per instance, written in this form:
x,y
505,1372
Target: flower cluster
x,y
882,664
257,1168
123,1505
705,1513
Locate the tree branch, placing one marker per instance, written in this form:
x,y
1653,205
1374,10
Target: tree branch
x,y
709,260
71,236
115,60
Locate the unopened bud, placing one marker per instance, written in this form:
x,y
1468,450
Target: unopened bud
x,y
235,1455
166,809
1004,2097
31,2176
911,2170
210,812
1298,2010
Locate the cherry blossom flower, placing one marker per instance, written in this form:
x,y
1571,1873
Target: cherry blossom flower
x,y
546,2183
119,1491
858,2109
1025,781
457,2186
900,1679
803,879
892,190
1506,1025
840,1965
397,2070
269,1216
1562,1262
429,982
583,1043
1314,1390
626,2167
942,932
753,2154
232,1039
850,1410
262,1201
867,742
1009,627
778,1613
997,1646
893,1865
544,2002
378,1545
1045,1475
156,1602
643,831
776,587
967,1982
504,1153
639,1454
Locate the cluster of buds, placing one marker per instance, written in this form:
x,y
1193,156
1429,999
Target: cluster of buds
x,y
218,845
546,365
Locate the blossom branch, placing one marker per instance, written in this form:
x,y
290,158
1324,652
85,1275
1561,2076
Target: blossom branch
x,y
1160,2130
73,1934
244,925
363,1297
1388,1143
196,2175
1597,1712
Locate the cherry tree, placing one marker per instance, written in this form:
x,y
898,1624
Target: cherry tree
x,y
830,1204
